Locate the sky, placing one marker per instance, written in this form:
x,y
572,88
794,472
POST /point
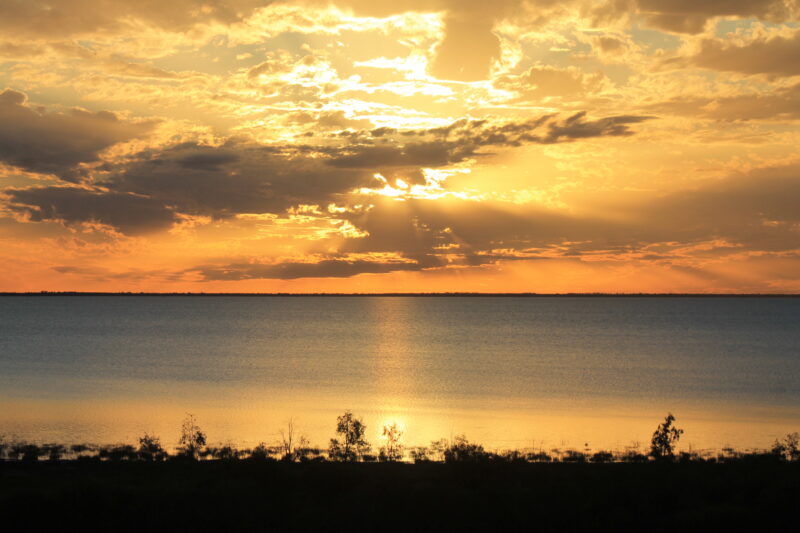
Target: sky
x,y
400,146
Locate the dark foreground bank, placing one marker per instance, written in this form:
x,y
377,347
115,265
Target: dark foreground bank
x,y
322,496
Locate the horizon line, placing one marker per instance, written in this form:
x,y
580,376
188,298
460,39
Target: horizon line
x,y
406,294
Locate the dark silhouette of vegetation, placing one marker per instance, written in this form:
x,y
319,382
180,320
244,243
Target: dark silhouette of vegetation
x,y
461,450
292,446
192,439
602,457
150,449
665,437
573,456
227,452
788,448
392,450
351,446
123,452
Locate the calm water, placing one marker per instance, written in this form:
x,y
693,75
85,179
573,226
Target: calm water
x,y
509,372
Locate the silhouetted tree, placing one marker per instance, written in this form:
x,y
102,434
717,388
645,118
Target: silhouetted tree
x,y
392,450
352,445
150,449
788,449
192,438
665,437
293,447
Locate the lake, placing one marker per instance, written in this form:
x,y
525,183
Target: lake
x,y
509,372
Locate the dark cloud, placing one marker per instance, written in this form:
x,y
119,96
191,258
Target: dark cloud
x,y
57,143
235,178
777,56
326,268
243,177
576,127
465,138
690,16
753,212
128,213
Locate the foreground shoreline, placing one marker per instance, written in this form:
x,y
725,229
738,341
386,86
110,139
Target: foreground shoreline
x,y
270,495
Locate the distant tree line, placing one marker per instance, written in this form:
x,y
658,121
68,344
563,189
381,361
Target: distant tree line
x,y
351,445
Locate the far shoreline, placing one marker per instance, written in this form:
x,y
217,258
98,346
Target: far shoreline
x,y
409,294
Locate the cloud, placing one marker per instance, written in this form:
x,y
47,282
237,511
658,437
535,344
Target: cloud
x,y
780,104
68,18
328,120
58,143
326,268
544,81
776,55
241,176
687,16
465,138
755,210
469,45
128,213
235,178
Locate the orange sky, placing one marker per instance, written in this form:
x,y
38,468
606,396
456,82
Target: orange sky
x,y
438,145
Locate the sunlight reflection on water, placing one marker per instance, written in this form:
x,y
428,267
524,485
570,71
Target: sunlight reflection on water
x,y
508,372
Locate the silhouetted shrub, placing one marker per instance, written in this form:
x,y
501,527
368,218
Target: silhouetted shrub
x,y
665,437
437,448
420,454
539,457
602,457
26,452
691,457
259,453
308,453
788,449
352,446
150,449
461,450
223,453
633,456
513,456
573,456
54,452
121,452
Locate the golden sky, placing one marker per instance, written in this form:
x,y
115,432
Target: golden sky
x,y
388,146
